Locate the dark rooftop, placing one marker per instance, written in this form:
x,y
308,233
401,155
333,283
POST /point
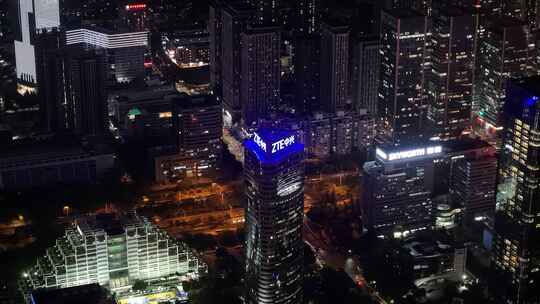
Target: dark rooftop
x,y
464,144
85,294
403,13
186,101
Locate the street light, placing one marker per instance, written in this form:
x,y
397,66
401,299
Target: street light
x,y
66,210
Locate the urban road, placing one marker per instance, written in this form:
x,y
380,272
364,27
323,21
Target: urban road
x,y
231,218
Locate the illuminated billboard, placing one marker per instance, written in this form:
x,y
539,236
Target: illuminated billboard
x,y
104,40
274,143
135,7
408,153
276,146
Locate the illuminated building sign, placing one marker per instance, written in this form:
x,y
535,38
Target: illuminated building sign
x,y
132,7
273,146
406,154
282,144
258,140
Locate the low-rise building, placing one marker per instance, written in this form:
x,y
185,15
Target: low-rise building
x,y
50,162
84,294
114,251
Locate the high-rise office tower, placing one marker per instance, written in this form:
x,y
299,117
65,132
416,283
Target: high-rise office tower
x,y
260,83
524,10
267,12
365,73
401,89
308,14
72,83
125,49
198,126
33,16
516,248
507,51
307,72
473,182
235,19
49,50
274,189
86,97
398,186
450,80
215,28
334,67
134,15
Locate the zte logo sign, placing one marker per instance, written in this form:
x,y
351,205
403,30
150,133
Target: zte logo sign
x,y
276,146
257,139
282,144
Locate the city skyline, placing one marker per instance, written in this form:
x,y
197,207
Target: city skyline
x,y
270,151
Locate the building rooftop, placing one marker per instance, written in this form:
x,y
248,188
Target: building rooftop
x,y
464,144
273,145
185,101
85,294
111,223
403,13
50,146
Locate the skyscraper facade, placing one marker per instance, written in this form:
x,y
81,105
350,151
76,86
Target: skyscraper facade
x,y
450,79
267,12
49,51
260,72
524,10
398,187
125,49
198,126
507,51
365,74
274,189
516,248
334,67
32,16
86,95
215,28
235,19
473,183
307,72
308,14
401,89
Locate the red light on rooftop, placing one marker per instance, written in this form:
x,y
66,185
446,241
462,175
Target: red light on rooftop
x,y
131,7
